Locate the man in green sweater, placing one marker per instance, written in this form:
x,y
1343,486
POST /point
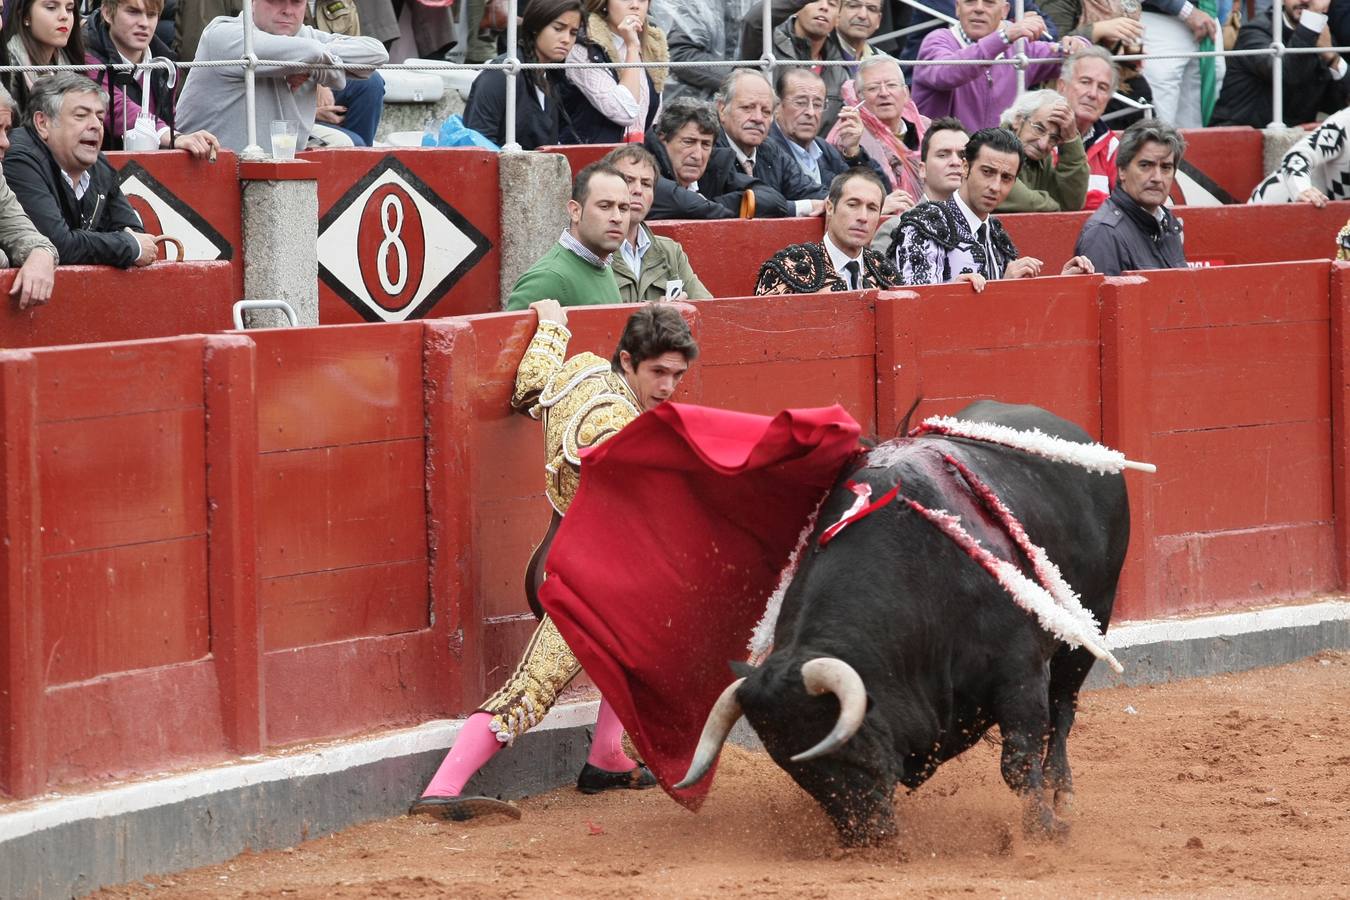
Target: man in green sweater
x,y
576,271
648,266
1055,175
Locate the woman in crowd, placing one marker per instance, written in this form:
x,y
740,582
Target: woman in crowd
x,y
124,31
38,33
609,106
548,31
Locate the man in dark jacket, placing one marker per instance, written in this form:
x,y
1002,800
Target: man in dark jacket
x,y
1313,82
1133,230
796,130
65,184
698,180
745,106
704,31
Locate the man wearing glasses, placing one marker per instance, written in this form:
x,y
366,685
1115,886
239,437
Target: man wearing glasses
x,y
858,21
796,129
1048,181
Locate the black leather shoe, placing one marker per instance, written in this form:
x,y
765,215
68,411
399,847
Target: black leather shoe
x,y
593,779
462,809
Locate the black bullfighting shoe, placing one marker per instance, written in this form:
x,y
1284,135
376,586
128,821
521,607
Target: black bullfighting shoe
x,y
593,779
462,809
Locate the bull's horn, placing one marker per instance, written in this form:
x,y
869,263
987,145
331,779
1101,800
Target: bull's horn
x,y
834,676
725,713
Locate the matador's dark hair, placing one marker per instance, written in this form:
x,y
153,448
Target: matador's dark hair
x,y
654,330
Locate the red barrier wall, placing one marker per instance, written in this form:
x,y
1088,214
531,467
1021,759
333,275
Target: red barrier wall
x,y
407,234
1232,158
194,200
215,545
99,303
579,156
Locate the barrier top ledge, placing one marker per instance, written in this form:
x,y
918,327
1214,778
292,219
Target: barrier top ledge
x,y
278,170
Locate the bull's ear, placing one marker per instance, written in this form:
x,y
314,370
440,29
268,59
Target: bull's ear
x,y
741,669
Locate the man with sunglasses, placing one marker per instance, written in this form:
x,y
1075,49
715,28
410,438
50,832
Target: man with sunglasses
x,y
1048,181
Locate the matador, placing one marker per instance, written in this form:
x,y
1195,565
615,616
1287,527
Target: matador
x,y
582,402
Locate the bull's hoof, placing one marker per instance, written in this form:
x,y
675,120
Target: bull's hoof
x,y
1064,804
1039,823
867,833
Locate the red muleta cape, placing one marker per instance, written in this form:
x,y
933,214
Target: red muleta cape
x,y
667,556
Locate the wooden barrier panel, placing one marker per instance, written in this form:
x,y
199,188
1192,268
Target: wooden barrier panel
x,y
1233,368
94,304
406,234
726,253
196,201
1225,163
579,156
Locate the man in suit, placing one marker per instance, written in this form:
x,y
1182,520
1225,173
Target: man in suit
x,y
697,180
795,131
745,106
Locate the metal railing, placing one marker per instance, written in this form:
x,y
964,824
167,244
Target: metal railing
x,y
513,65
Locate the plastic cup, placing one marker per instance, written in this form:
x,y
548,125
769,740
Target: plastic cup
x,y
283,139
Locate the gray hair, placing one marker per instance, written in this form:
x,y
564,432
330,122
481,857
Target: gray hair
x,y
1096,51
7,101
680,112
1027,105
1145,131
50,91
727,91
876,59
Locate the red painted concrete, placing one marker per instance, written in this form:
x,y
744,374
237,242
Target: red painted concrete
x,y
580,155
300,534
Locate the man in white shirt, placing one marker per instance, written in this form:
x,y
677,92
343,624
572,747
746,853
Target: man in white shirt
x,y
842,260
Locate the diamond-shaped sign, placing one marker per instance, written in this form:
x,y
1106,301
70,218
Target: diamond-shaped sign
x,y
391,247
162,212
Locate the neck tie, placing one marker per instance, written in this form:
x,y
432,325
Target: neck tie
x,y
990,264
748,165
854,276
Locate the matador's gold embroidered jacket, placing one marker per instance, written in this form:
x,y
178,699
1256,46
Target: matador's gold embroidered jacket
x,y
581,401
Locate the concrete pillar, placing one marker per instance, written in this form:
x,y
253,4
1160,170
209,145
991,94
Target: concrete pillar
x,y
535,188
281,239
1276,143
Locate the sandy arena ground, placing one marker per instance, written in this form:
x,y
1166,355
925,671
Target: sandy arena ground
x,y
1235,786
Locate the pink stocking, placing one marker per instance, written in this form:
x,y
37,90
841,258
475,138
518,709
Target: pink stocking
x,y
475,745
607,747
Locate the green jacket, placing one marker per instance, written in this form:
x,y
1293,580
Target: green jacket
x,y
1043,187
665,259
563,276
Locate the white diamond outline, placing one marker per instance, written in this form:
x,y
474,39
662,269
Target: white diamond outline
x,y
442,253
196,244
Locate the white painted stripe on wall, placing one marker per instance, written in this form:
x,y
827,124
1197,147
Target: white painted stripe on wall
x,y
54,810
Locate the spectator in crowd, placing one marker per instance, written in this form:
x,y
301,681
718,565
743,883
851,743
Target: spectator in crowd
x,y
705,31
977,95
582,404
607,106
213,97
548,31
745,109
124,31
892,128
648,266
1115,32
1048,181
943,168
351,116
701,181
750,45
38,33
66,186
1184,90
960,239
379,20
192,18
21,244
1134,229
576,271
1313,82
795,132
925,25
1087,81
858,21
843,259
1314,170
809,35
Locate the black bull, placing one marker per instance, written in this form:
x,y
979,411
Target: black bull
x,y
938,645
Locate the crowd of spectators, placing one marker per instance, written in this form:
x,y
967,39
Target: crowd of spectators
x,y
718,141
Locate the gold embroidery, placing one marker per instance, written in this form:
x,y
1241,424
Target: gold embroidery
x,y
545,669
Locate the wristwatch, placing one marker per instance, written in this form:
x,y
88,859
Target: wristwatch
x,y
1003,33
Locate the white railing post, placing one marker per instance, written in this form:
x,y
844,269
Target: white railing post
x,y
512,63
766,57
1277,66
251,150
1021,53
